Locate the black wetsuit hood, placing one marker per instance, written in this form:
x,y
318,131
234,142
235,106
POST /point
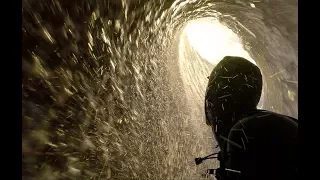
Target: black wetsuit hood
x,y
234,89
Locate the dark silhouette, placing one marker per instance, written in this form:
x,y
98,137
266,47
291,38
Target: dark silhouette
x,y
254,144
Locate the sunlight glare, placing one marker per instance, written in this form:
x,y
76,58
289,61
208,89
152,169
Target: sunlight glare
x,y
213,41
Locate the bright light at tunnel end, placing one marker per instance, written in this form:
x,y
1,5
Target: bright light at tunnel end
x,y
213,41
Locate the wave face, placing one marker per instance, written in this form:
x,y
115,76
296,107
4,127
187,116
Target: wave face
x,y
113,89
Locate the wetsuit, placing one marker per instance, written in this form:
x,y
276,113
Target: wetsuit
x,y
255,144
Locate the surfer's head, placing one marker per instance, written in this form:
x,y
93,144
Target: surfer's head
x,y
234,87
